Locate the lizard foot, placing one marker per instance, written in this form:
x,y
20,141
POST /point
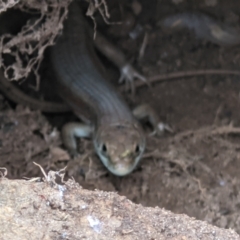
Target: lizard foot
x,y
145,111
128,73
160,128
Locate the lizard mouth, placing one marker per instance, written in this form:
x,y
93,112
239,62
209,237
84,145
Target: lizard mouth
x,y
122,168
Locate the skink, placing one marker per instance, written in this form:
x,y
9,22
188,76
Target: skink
x,y
117,135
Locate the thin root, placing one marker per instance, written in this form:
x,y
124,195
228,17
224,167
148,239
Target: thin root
x,y
183,74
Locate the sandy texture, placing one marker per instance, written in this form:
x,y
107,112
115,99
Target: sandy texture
x,y
46,210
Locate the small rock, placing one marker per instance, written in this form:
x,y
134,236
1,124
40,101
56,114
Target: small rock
x,y
136,7
177,1
211,3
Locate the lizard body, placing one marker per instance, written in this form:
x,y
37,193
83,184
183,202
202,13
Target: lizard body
x,y
117,135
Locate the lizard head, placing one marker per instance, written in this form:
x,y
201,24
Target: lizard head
x,y
120,147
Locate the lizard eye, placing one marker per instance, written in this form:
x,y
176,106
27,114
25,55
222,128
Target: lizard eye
x,y
137,149
104,148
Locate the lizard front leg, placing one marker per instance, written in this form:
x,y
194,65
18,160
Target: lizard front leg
x,y
128,72
71,131
145,111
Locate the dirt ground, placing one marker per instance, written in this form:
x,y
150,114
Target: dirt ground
x,y
195,169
